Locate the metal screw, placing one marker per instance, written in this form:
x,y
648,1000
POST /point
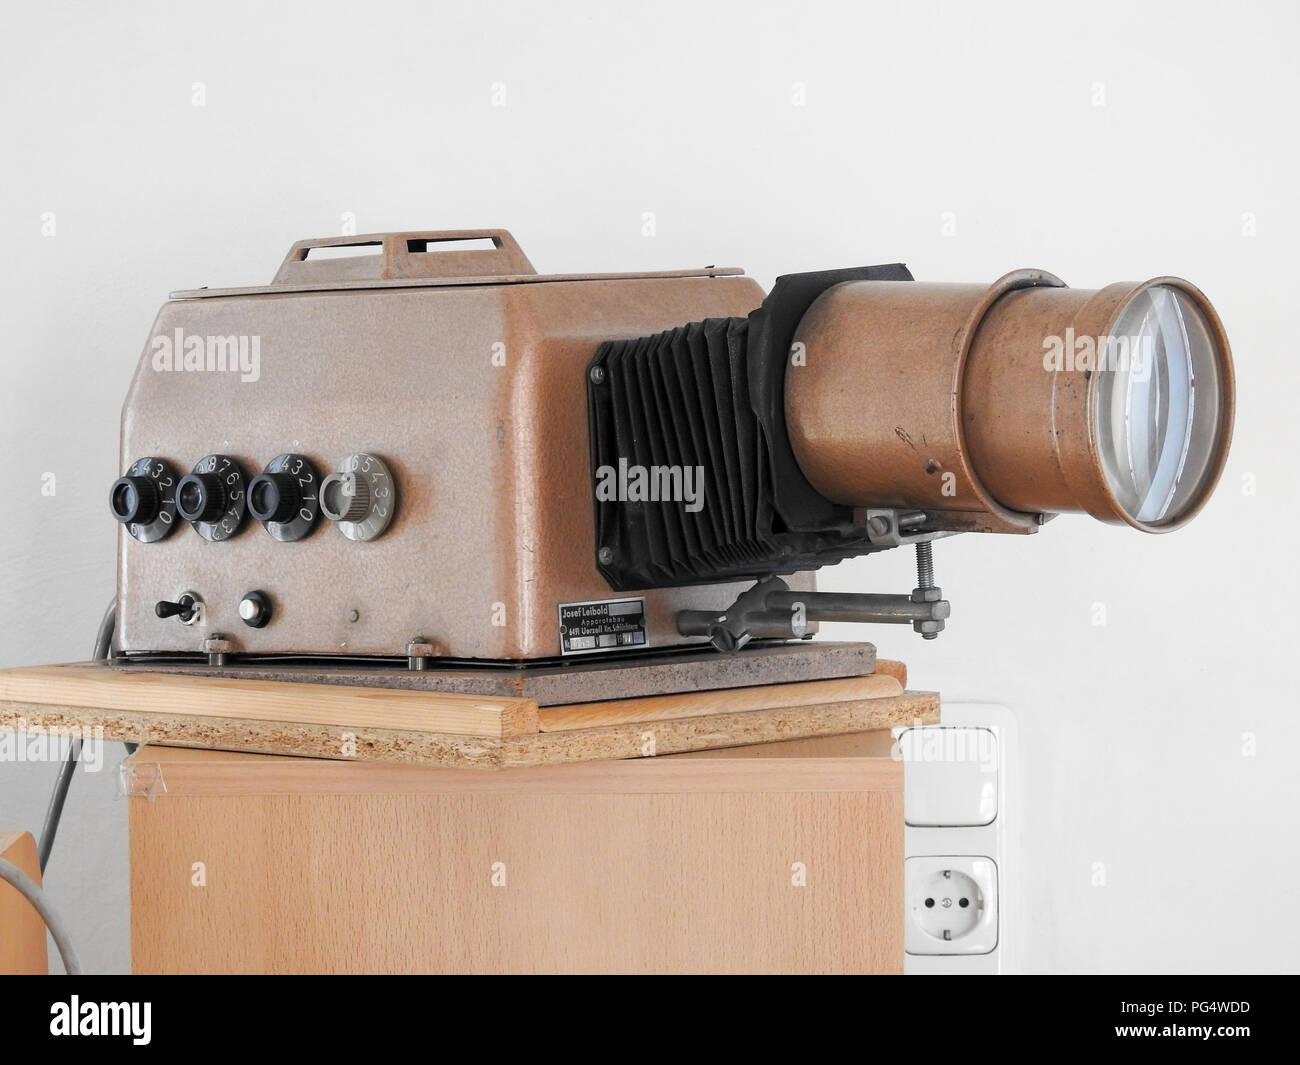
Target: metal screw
x,y
925,577
354,615
877,527
597,375
218,648
605,555
924,565
418,653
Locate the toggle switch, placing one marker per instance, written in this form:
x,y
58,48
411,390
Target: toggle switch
x,y
188,607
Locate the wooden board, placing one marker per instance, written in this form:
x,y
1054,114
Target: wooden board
x,y
582,679
642,739
824,763
891,668
435,728
734,700
22,932
91,685
706,864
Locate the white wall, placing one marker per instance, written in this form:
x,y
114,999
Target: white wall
x,y
1133,732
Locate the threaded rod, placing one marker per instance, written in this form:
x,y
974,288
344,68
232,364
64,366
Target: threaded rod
x,y
924,565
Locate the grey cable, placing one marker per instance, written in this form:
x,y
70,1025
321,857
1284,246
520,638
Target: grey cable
x,y
37,897
53,813
104,637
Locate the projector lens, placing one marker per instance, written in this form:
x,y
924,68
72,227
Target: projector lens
x,y
991,407
1159,405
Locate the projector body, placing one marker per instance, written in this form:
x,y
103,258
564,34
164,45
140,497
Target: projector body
x,y
465,372
451,457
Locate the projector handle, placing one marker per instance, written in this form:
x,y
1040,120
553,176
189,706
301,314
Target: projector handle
x,y
429,254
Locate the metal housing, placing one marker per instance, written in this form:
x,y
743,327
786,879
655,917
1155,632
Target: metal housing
x,y
464,372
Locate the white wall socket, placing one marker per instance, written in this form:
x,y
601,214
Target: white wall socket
x,y
952,904
961,808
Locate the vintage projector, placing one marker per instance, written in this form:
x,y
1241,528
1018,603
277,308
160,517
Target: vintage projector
x,y
411,448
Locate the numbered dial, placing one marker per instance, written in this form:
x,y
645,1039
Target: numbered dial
x,y
359,497
285,497
145,499
213,498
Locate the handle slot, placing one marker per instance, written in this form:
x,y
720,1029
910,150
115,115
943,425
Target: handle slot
x,y
384,256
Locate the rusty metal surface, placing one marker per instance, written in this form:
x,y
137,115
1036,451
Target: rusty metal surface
x,y
582,680
874,412
1032,433
936,397
493,525
449,282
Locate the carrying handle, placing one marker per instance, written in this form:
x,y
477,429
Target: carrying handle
x,y
384,256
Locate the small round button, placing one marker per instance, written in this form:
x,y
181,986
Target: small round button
x,y
255,609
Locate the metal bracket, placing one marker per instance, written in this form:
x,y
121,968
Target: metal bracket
x,y
771,610
218,647
419,652
887,527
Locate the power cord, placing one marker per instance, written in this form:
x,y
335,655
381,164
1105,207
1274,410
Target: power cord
x,y
37,897
53,813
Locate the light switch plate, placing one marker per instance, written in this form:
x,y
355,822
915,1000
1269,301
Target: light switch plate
x,y
952,776
946,788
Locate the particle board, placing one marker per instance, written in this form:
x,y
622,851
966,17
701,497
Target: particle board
x,y
691,704
434,728
95,685
576,680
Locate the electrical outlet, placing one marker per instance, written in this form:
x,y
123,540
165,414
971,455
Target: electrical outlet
x,y
952,905
961,804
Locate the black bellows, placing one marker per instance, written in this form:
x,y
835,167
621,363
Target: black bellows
x,y
693,475
682,480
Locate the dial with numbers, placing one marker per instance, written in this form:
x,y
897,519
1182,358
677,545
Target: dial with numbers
x,y
285,497
359,496
213,498
144,500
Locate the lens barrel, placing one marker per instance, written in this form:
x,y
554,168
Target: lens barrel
x,y
991,407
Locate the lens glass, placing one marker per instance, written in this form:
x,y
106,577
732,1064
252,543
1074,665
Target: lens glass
x,y
1159,405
